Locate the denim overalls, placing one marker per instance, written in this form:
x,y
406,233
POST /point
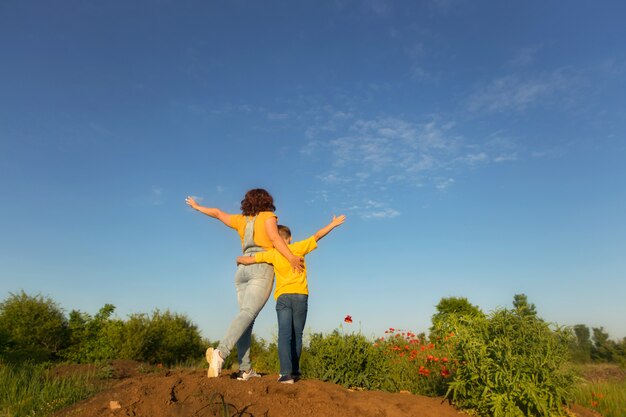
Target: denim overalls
x,y
254,286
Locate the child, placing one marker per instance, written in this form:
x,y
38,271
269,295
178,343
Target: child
x,y
291,296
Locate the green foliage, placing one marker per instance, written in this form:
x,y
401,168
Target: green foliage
x,y
31,328
522,306
607,398
580,348
347,359
596,346
89,336
604,349
510,364
29,390
417,365
162,337
265,355
447,309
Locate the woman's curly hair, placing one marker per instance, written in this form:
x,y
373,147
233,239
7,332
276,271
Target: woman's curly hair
x,y
256,201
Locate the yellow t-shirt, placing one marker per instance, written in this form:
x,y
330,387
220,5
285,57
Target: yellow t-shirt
x,y
238,222
288,281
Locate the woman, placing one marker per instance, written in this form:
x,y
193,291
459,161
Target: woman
x,y
257,228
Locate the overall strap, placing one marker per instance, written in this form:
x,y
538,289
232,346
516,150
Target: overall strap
x,y
249,247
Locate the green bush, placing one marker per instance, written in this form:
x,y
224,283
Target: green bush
x,y
33,328
162,337
510,364
417,365
177,338
265,355
451,307
347,359
89,336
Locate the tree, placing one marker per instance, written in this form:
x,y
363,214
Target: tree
x,y
449,308
581,345
603,348
523,307
35,327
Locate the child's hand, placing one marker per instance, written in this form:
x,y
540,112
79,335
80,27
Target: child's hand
x,y
245,260
338,220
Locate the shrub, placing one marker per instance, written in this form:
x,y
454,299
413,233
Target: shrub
x,y
265,355
417,365
511,364
451,307
34,328
176,338
162,337
165,338
347,359
89,341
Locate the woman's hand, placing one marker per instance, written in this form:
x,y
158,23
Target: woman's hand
x,y
297,263
191,203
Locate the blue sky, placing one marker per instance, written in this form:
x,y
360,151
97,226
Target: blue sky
x,y
477,148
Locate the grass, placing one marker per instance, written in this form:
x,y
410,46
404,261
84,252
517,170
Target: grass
x,y
29,390
602,388
608,398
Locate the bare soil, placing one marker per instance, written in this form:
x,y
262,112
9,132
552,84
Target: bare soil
x,y
137,390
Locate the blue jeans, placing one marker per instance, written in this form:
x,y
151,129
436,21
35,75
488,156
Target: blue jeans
x,y
291,310
254,285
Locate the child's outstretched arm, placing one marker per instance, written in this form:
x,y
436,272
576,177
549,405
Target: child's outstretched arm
x,y
211,212
246,260
337,221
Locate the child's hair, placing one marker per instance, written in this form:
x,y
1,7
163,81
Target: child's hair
x,y
284,231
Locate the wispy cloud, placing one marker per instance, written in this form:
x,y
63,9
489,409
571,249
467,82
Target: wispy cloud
x,y
277,116
524,57
373,156
516,93
444,183
379,7
371,209
156,194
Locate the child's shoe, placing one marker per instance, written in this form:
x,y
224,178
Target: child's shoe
x,y
215,361
285,379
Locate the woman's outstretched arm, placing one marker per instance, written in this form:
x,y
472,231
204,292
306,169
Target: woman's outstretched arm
x,y
271,227
211,212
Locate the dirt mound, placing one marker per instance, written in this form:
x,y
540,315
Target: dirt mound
x,y
153,392
190,393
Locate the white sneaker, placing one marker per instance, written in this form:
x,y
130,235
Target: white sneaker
x,y
246,375
215,361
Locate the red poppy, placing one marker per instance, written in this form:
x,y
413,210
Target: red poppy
x,y
348,319
423,371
